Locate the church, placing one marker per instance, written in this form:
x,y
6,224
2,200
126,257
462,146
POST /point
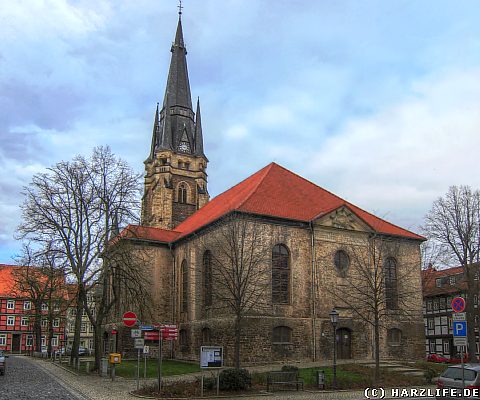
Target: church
x,y
301,248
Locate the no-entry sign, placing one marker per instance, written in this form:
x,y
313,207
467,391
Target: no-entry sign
x,y
129,318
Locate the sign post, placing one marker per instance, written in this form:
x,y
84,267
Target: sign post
x,y
460,330
167,332
139,343
211,357
146,350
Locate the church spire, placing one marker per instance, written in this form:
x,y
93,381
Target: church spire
x,y
198,132
155,135
178,86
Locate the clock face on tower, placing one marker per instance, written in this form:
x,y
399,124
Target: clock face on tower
x,y
184,147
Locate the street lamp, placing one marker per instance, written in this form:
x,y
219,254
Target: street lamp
x,y
334,320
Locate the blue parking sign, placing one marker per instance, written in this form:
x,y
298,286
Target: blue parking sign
x,y
459,328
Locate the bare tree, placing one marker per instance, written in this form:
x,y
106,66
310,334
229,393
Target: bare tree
x,y
76,206
237,274
454,222
376,285
40,280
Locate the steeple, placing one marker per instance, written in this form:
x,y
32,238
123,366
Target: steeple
x,y
176,168
198,132
178,86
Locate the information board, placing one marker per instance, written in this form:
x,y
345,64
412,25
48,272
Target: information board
x,y
211,357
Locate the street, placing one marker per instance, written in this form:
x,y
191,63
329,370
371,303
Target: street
x,y
24,380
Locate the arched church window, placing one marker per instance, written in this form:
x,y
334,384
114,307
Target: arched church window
x,y
207,277
342,262
184,271
391,292
280,274
394,337
282,334
182,193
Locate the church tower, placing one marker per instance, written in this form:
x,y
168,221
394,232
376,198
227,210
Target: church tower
x,y
175,170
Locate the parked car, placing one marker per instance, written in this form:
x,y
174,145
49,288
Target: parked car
x,y
451,378
82,351
3,362
457,360
436,358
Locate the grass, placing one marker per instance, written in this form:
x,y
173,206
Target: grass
x,y
128,368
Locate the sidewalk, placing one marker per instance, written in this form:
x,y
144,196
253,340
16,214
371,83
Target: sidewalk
x,y
94,387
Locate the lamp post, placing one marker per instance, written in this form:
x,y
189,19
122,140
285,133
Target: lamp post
x,y
334,320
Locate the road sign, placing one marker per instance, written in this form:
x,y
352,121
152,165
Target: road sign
x,y
460,316
459,328
114,332
139,343
136,333
458,304
129,318
146,327
169,332
146,349
460,341
151,335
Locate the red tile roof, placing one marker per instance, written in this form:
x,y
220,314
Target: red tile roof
x,y
149,233
429,281
277,192
7,279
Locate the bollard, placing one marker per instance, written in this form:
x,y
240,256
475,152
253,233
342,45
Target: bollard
x,y
87,367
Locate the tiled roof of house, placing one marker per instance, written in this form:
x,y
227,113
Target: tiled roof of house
x,y
276,192
7,279
429,281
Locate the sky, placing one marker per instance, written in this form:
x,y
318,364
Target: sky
x,y
376,101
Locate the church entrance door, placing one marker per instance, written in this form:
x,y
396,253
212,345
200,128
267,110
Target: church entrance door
x,y
344,343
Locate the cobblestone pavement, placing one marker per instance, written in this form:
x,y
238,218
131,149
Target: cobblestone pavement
x,y
24,380
40,379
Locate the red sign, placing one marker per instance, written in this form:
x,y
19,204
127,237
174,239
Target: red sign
x,y
129,318
114,332
169,332
150,335
458,304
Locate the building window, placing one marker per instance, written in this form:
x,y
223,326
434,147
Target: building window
x,y
451,280
24,321
3,340
282,334
71,327
431,346
184,286
206,336
56,322
183,340
431,323
435,304
450,323
446,347
391,294
429,305
55,341
27,305
342,262
44,307
83,327
56,306
394,337
44,323
11,305
29,342
182,193
280,274
44,341
10,320
207,277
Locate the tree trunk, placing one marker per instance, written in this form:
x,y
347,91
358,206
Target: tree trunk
x,y
377,349
76,337
238,333
470,313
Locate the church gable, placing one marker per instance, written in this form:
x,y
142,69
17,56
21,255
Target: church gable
x,y
343,218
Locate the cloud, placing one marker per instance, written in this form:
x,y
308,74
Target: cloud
x,y
402,157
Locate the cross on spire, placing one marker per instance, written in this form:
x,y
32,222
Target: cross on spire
x,y
180,8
